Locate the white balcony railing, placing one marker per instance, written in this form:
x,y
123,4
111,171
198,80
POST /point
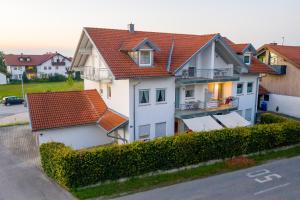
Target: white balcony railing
x,y
212,104
96,74
208,73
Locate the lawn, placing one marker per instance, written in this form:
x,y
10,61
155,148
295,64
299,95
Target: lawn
x,y
16,89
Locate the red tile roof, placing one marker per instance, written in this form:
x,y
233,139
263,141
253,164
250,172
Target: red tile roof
x,y
259,67
14,60
111,120
110,41
63,109
262,90
290,53
238,48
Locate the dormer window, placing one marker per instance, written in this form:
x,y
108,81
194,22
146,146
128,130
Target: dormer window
x,y
28,59
21,59
145,57
247,58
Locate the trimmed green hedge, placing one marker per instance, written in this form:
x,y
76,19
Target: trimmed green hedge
x,y
73,168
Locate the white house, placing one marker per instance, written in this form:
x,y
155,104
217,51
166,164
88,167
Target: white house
x,y
3,79
40,66
166,83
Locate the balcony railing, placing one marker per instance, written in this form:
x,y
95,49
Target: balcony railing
x,y
62,63
96,74
208,73
211,105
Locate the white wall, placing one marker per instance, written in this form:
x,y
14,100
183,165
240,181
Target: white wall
x,y
247,100
153,112
289,105
77,136
16,71
49,69
2,79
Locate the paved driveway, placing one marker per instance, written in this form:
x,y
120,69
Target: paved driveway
x,y
13,114
20,173
278,180
11,110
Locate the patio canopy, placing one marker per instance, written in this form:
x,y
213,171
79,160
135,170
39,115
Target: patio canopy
x,y
232,120
205,123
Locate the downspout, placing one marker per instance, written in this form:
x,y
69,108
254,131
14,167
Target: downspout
x,y
256,97
134,85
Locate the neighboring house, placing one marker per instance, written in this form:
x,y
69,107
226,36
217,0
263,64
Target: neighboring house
x,y
36,66
77,118
3,79
281,87
166,83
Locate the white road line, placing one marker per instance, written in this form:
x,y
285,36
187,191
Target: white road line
x,y
272,188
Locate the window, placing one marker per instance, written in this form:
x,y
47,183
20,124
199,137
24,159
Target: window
x,y
145,58
144,131
266,97
56,67
144,96
45,68
189,92
240,112
15,68
49,68
108,91
160,95
160,129
247,59
239,89
28,59
192,71
248,114
21,59
249,87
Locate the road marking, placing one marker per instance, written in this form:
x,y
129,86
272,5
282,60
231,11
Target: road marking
x,y
272,188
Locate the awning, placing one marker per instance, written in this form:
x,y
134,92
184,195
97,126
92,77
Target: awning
x,y
206,123
232,120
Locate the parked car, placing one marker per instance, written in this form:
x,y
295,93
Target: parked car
x,y
12,100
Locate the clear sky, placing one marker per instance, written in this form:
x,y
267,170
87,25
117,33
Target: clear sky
x,y
38,26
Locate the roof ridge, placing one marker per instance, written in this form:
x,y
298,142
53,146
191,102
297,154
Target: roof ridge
x,y
69,91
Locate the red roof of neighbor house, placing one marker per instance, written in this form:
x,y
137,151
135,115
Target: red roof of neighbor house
x,y
63,109
291,53
111,120
238,48
259,67
262,90
14,60
110,41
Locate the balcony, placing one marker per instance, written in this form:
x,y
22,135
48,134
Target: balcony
x,y
61,63
96,74
201,75
213,106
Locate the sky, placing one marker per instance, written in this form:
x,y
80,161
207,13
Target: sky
x,y
39,26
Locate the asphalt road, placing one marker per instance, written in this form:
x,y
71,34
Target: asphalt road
x,y
11,110
278,180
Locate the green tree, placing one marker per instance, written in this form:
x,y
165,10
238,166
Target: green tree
x,y
25,78
2,63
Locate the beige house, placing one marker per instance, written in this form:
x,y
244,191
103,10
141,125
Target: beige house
x,y
282,85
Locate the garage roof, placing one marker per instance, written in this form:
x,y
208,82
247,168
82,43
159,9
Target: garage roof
x,y
62,109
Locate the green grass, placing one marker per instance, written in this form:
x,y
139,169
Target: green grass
x,y
133,185
14,124
16,89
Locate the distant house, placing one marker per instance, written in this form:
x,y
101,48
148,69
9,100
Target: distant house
x,y
78,119
281,88
2,78
39,66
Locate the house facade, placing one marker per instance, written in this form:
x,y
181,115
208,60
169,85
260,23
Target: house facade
x,y
36,66
3,79
167,83
283,95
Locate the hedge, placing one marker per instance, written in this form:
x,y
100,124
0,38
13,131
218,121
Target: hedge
x,y
77,168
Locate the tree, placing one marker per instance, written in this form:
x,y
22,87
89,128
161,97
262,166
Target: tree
x,y
2,63
25,78
70,79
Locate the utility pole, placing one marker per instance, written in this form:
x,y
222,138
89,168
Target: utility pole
x,y
282,40
23,90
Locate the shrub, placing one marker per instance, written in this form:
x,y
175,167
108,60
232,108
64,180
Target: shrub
x,y
89,166
239,162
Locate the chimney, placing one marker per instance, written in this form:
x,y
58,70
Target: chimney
x,y
273,43
131,28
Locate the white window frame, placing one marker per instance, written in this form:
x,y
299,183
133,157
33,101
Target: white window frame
x,y
242,89
249,61
190,87
146,136
252,87
158,102
165,133
108,91
151,58
148,97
